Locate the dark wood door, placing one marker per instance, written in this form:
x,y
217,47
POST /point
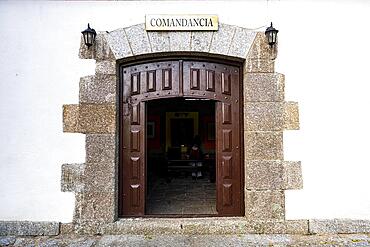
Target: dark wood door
x,y
221,83
138,84
176,78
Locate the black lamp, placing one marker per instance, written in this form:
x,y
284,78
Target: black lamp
x,y
271,34
89,36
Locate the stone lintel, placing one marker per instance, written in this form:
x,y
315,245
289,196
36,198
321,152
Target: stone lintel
x,y
263,145
89,118
72,177
261,87
29,228
338,226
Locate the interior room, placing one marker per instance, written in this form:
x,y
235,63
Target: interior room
x,y
181,157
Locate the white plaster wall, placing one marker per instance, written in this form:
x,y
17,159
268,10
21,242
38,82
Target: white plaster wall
x,y
324,53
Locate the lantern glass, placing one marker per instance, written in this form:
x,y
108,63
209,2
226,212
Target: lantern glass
x,y
271,34
89,36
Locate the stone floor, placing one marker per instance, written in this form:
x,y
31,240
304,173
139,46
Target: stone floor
x,y
183,195
191,240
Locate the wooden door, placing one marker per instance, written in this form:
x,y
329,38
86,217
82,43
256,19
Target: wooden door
x,y
176,78
139,83
222,84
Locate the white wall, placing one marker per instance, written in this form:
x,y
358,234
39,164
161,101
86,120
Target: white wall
x,y
324,52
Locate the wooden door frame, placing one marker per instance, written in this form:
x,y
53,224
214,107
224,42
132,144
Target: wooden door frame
x,y
164,57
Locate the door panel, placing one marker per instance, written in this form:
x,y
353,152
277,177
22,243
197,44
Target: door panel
x,y
190,79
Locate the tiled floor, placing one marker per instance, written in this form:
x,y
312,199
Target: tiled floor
x,y
182,195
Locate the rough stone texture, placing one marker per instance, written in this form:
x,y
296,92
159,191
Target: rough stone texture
x,y
138,39
97,118
29,228
100,50
265,205
72,177
259,87
201,41
100,148
292,175
100,177
70,119
296,226
95,206
241,43
277,116
160,41
105,67
98,89
263,145
261,49
118,42
257,65
211,240
67,228
291,116
264,175
89,118
179,41
261,116
339,226
222,39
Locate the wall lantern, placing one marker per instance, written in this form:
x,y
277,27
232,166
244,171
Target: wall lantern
x,y
271,34
89,36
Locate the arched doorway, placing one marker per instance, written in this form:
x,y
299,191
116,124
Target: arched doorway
x,y
180,78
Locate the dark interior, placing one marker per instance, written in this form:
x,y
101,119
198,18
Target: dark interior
x,y
178,183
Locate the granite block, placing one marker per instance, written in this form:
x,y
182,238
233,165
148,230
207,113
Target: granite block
x,y
222,39
261,49
118,42
241,43
138,39
100,148
71,119
29,228
260,87
265,205
98,89
291,116
179,41
105,67
264,175
201,41
97,118
159,41
263,145
264,116
292,175
325,226
100,177
258,65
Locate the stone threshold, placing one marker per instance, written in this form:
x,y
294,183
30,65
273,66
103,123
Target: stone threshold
x,y
186,226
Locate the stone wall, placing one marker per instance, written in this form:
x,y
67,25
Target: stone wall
x,y
266,116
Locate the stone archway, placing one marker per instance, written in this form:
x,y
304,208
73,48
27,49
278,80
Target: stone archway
x,y
266,116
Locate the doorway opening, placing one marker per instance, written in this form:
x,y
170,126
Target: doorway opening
x,y
181,151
